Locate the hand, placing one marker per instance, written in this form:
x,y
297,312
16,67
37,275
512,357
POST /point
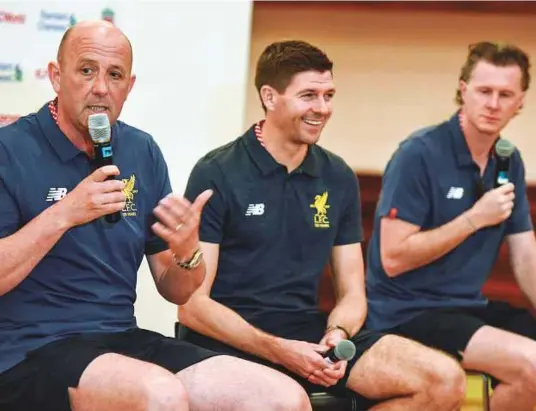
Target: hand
x,y
179,223
335,372
494,207
94,197
333,337
305,359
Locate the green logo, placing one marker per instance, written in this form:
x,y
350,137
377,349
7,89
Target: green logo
x,y
108,14
17,73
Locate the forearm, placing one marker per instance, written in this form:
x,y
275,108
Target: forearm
x,y
525,273
424,247
349,313
210,318
23,250
178,284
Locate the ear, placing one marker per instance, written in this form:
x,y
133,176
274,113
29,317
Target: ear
x,y
54,75
269,97
131,83
521,103
463,89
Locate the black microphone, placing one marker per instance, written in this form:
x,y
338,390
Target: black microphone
x,y
101,133
343,351
480,188
503,151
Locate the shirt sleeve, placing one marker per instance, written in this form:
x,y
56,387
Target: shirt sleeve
x,y
520,220
10,218
207,175
406,188
162,187
350,229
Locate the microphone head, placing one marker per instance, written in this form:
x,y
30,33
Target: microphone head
x,y
99,127
344,350
504,148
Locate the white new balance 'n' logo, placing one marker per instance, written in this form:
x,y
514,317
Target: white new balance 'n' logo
x,y
455,192
55,194
255,209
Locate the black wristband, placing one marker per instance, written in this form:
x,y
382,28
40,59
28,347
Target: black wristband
x,y
337,327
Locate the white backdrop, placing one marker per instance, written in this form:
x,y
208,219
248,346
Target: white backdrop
x,y
30,32
191,62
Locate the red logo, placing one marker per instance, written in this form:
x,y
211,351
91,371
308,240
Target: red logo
x,y
393,213
12,18
41,73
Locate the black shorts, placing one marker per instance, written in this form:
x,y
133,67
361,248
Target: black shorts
x,y
451,329
41,381
312,330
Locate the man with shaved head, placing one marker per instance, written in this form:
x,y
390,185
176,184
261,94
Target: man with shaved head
x,y
68,335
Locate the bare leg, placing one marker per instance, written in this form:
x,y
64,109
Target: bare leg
x,y
409,376
510,358
225,383
115,382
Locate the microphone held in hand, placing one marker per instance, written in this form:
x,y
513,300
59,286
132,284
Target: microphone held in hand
x,y
101,133
343,351
503,151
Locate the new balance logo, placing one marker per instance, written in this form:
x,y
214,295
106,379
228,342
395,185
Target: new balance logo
x,y
55,194
455,193
255,209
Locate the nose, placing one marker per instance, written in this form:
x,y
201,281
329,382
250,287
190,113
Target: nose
x,y
322,107
100,86
493,101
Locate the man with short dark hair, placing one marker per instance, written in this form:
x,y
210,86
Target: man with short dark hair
x,y
283,207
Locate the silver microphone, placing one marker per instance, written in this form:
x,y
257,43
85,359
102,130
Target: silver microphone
x,y
99,128
101,134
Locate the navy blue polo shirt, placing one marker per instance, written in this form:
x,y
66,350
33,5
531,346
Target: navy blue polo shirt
x,y
275,229
430,180
87,282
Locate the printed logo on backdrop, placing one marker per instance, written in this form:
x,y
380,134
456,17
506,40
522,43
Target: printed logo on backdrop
x,y
6,119
55,21
10,72
41,73
7,17
108,14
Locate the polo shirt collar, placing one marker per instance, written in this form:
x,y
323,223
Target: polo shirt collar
x,y
461,149
267,164
59,142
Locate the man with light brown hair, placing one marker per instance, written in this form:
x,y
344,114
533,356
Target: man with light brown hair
x,y
451,194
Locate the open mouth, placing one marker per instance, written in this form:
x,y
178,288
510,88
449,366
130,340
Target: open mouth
x,y
312,122
97,109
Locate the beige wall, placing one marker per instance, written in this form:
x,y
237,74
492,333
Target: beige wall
x,y
394,71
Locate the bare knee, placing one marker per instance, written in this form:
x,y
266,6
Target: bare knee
x,y
526,377
281,392
446,382
292,398
164,393
116,382
253,387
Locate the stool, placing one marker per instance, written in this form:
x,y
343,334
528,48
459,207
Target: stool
x,y
323,401
486,382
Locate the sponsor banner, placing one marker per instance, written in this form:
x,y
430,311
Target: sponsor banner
x,y
30,33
